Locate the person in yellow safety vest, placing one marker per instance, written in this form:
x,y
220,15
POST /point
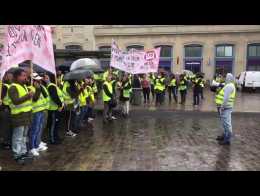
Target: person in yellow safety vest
x,y
159,89
225,99
91,100
196,90
105,74
83,96
125,91
173,88
5,115
108,99
183,88
71,93
21,111
55,110
38,108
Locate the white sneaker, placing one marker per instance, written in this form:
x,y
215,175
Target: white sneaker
x,y
35,152
113,118
71,134
90,119
43,144
42,148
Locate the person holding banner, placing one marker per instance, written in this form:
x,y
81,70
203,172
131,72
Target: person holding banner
x,y
21,111
5,117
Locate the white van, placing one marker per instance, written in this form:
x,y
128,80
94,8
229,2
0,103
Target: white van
x,y
248,80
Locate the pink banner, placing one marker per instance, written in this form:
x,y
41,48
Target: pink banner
x,y
135,61
28,42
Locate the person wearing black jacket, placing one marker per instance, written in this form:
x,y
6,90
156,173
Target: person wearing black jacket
x,y
5,118
54,116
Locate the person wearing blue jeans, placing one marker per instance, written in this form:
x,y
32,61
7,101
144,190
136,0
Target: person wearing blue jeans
x,y
225,98
37,126
225,116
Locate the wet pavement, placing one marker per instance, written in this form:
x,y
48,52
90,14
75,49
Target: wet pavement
x,y
153,140
245,102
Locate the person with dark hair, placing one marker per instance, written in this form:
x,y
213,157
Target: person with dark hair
x,y
183,88
146,86
5,118
159,89
38,108
21,113
71,94
196,90
56,106
108,96
125,91
172,88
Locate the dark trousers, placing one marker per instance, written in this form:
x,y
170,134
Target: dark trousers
x,y
173,90
5,122
146,93
72,120
152,90
201,93
107,113
183,96
53,125
159,98
196,98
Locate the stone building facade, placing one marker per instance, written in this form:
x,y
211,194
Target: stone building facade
x,y
206,48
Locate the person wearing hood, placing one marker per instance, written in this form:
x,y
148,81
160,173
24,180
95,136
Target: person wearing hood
x,y
225,98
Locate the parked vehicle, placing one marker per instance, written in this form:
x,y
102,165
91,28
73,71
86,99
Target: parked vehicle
x,y
248,80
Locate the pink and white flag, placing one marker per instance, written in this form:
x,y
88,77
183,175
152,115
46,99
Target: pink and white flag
x,y
28,42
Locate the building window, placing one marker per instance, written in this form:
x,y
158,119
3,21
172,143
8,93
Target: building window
x,y
73,47
224,59
54,46
105,62
224,51
166,57
137,47
253,57
193,57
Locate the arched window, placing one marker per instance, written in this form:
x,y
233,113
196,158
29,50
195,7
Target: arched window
x,y
73,47
105,62
253,57
193,57
137,47
166,57
224,59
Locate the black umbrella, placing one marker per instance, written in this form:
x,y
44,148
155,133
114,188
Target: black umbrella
x,y
78,75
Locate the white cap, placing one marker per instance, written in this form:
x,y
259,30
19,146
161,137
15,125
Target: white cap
x,y
36,76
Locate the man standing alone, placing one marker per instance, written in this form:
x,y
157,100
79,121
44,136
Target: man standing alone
x,y
225,101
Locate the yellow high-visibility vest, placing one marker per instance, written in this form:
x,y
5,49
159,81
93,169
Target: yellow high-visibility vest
x,y
219,99
23,107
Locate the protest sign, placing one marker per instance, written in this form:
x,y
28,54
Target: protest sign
x,y
135,61
28,42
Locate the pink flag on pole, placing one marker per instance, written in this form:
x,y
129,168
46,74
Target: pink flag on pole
x,y
28,42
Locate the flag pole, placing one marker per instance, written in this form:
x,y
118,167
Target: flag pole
x,y
31,70
1,85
